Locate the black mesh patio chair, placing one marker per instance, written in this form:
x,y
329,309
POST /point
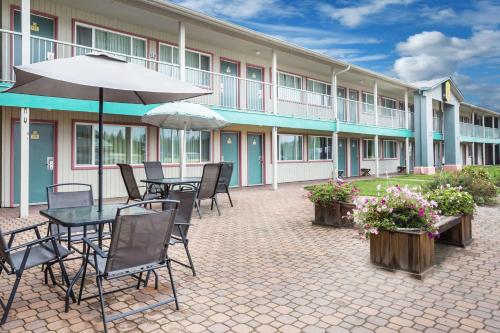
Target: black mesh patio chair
x,y
154,170
225,178
58,198
38,252
139,244
207,190
186,198
133,191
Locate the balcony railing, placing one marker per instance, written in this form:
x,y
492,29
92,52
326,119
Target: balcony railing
x,y
478,131
229,92
437,124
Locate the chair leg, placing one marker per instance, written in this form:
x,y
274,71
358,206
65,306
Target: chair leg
x,y
214,200
156,279
139,280
189,257
198,207
11,298
101,301
169,266
66,279
229,196
51,272
84,273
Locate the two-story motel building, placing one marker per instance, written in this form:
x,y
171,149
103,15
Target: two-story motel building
x,y
296,114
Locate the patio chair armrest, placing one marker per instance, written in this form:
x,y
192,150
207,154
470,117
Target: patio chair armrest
x,y
32,243
94,247
30,227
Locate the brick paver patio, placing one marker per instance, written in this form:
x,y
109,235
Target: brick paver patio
x,y
262,267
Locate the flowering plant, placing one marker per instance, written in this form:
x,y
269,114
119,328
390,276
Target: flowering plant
x,y
452,201
332,192
399,208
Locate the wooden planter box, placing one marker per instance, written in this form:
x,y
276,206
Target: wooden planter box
x,y
409,251
456,230
335,215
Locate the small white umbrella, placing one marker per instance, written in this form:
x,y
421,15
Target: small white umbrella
x,y
184,116
101,77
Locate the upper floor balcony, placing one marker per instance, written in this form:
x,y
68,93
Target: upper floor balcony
x,y
478,131
230,91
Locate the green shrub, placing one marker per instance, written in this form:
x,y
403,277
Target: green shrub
x,y
327,194
452,201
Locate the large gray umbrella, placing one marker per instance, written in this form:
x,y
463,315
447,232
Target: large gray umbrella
x,y
184,116
100,77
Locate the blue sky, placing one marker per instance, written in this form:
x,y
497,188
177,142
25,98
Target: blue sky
x,y
409,39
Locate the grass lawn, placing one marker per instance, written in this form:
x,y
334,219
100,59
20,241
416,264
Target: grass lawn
x,y
369,186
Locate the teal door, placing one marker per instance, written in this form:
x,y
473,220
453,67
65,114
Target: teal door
x,y
229,84
255,89
230,152
354,157
342,155
255,159
41,50
41,168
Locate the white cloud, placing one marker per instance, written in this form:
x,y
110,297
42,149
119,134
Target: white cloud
x,y
355,15
432,54
482,91
238,9
483,15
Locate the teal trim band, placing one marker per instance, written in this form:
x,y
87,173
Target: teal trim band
x,y
269,119
372,130
478,140
437,136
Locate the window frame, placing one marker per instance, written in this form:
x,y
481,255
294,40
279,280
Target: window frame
x,y
365,103
296,152
117,32
328,139
368,158
325,98
396,150
210,153
76,166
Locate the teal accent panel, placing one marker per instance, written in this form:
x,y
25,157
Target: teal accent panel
x,y
41,147
478,140
342,155
436,136
354,157
372,130
254,150
452,153
269,119
423,131
231,153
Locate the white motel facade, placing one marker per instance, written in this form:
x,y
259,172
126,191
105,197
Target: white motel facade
x,y
296,115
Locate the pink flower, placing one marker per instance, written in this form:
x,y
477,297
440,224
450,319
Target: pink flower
x,y
421,212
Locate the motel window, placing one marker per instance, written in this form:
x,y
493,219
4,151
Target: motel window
x,y
289,147
319,148
389,149
197,146
368,102
121,144
368,149
111,41
289,86
198,64
387,106
318,92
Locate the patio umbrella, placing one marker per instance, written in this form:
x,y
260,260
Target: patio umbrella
x,y
184,116
101,77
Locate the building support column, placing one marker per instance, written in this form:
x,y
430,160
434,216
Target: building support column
x,y
274,75
377,157
484,154
451,134
335,136
494,154
182,77
424,161
473,148
407,155
25,115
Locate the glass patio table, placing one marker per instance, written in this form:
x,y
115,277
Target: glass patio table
x,y
86,216
170,182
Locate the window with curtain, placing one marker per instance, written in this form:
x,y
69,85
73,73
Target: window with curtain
x,y
368,149
390,149
198,65
319,148
388,104
169,145
117,43
318,92
289,87
121,144
342,103
289,147
368,102
197,146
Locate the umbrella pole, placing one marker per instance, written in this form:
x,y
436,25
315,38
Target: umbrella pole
x,y
101,129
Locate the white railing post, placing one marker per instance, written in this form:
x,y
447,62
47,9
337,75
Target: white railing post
x,y
25,115
182,77
275,111
376,157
